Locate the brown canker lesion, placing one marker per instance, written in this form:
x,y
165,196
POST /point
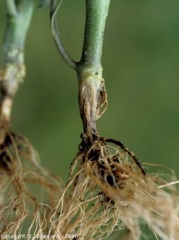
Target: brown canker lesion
x,y
10,77
92,100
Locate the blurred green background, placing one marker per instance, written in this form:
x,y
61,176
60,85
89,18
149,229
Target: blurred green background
x,y
141,69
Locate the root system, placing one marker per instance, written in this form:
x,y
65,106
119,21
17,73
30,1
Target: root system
x,y
28,192
106,192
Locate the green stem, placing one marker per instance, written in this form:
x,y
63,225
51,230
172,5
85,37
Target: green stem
x,y
17,23
92,93
96,14
18,18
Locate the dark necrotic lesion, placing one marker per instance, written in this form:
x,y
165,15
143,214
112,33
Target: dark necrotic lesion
x,y
5,156
110,180
13,147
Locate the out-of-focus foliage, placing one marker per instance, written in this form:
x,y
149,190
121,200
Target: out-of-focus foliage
x,y
140,61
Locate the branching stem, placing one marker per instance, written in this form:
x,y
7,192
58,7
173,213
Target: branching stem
x,y
92,93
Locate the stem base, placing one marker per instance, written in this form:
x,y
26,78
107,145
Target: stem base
x,y
92,97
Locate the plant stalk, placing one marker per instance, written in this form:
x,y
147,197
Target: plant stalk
x,y
92,93
96,14
12,72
